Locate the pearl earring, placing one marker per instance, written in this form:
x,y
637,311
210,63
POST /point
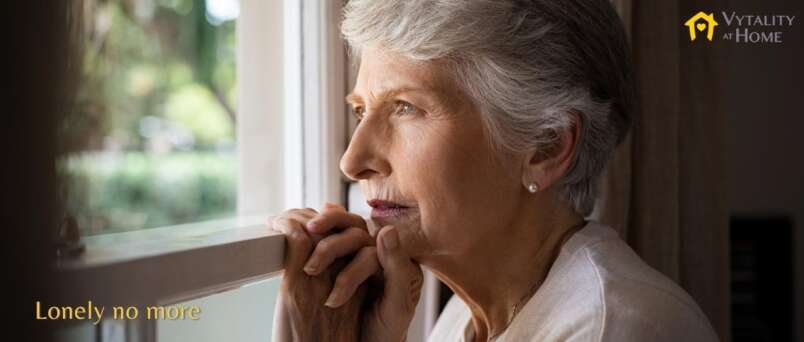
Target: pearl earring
x,y
533,187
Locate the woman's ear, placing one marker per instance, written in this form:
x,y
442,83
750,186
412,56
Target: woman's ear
x,y
546,165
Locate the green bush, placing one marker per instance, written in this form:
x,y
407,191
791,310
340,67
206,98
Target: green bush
x,y
119,192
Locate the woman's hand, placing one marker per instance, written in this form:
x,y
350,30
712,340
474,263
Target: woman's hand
x,y
396,280
300,313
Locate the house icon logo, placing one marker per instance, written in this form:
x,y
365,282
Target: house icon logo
x,y
701,22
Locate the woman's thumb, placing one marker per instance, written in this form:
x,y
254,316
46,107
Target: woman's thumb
x,y
403,278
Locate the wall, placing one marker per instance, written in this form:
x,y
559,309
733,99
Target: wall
x,y
762,92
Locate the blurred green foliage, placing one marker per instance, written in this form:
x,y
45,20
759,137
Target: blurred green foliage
x,y
153,58
138,190
150,141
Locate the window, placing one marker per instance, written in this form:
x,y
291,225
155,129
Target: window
x,y
151,141
196,263
290,129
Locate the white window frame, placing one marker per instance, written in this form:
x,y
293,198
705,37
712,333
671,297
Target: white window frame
x,y
292,130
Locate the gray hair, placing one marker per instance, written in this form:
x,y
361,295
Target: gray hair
x,y
533,67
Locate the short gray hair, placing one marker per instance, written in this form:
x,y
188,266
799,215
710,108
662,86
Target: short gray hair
x,y
531,67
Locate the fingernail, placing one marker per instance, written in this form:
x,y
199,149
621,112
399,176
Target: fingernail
x,y
311,267
332,300
311,226
390,240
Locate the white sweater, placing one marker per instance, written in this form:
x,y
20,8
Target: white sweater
x,y
598,289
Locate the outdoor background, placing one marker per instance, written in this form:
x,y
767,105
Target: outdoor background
x,y
150,141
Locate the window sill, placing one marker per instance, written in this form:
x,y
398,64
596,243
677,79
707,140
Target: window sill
x,y
167,265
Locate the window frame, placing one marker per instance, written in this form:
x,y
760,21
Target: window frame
x,y
298,120
159,266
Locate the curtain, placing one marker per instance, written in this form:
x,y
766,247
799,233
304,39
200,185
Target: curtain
x,y
664,189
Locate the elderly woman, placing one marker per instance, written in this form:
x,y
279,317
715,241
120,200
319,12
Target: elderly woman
x,y
484,126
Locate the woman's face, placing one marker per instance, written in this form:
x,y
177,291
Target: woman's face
x,y
423,160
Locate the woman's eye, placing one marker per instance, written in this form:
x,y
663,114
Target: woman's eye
x,y
404,108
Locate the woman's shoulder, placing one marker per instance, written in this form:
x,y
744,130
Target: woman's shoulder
x,y
623,298
597,290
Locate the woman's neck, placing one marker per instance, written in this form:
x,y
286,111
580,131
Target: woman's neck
x,y
502,271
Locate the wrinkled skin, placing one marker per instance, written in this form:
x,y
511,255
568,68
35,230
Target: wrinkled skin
x,y
465,211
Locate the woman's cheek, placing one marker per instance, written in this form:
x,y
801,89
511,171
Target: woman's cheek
x,y
417,165
433,163
441,200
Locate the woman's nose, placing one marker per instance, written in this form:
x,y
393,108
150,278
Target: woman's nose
x,y
365,157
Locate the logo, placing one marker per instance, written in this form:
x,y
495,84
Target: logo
x,y
741,28
701,22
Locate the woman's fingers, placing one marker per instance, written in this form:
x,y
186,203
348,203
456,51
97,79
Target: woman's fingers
x,y
403,278
316,240
335,246
301,215
334,217
363,266
299,244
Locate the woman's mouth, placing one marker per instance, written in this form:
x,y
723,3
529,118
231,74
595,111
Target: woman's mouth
x,y
388,209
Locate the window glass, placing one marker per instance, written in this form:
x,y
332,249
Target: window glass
x,y
245,314
150,140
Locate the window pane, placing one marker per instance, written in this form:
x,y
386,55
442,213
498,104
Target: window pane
x,y
245,314
151,141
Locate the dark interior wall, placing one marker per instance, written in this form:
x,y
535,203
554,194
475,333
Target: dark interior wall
x,y
36,67
762,96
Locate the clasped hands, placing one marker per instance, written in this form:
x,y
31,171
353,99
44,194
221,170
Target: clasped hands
x,y
341,282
